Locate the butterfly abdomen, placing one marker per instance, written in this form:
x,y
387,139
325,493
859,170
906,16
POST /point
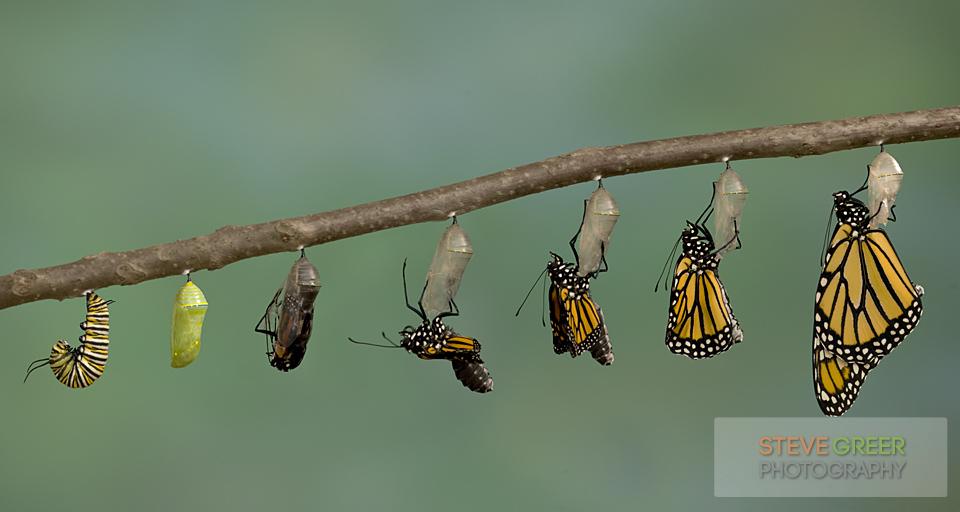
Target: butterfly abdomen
x,y
473,374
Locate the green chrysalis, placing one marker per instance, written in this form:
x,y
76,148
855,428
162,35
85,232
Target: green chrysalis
x,y
189,308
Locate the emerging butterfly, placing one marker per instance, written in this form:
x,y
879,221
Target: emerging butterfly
x,y
865,304
700,321
576,320
433,339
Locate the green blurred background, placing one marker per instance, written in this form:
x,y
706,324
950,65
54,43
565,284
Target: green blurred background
x,y
128,124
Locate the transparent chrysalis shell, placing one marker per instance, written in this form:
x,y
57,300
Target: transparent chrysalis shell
x,y
600,215
295,323
883,183
449,262
189,308
729,198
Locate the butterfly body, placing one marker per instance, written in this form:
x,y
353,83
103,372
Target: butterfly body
x,y
700,321
435,340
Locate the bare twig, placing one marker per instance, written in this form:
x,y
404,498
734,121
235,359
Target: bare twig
x,y
234,243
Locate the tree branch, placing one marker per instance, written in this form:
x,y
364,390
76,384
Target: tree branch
x,y
234,243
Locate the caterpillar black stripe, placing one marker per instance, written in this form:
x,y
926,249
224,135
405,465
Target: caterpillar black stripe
x,y
81,366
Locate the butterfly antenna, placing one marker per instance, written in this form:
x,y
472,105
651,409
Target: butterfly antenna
x,y
43,362
531,291
543,303
573,241
708,211
865,181
673,253
826,235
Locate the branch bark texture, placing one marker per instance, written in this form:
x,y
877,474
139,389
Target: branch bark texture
x,y
234,243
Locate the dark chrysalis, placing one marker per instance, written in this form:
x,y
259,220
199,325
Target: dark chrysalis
x,y
288,320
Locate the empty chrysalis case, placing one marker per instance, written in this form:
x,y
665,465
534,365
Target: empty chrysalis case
x,y
446,270
729,198
599,217
883,183
189,309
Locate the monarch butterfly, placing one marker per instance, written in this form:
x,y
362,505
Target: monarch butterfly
x,y
700,321
433,339
865,305
576,320
449,262
81,366
865,302
288,320
189,309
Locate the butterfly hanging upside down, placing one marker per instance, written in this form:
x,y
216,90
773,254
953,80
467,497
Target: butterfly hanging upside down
x,y
865,306
700,321
576,320
433,339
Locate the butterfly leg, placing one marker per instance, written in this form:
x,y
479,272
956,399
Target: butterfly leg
x,y
264,320
454,310
573,246
708,211
736,238
865,181
603,258
406,296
